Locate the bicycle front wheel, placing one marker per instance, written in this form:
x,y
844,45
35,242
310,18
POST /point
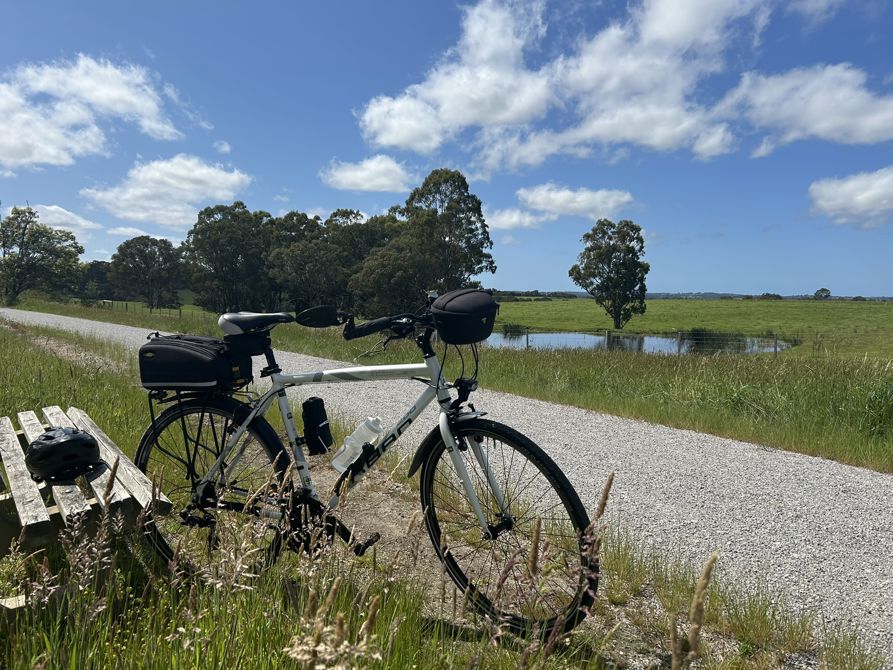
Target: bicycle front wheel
x,y
531,571
238,522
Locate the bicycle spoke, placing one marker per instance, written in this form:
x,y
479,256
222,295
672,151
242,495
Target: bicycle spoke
x,y
497,571
207,531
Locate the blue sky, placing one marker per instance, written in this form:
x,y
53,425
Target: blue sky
x,y
751,139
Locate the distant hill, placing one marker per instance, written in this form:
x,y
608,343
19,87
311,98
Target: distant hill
x,y
507,296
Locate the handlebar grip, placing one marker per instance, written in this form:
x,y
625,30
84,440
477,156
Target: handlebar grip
x,y
352,331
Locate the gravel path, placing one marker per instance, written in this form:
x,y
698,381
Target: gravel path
x,y
816,530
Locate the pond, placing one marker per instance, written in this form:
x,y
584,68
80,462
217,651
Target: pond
x,y
684,343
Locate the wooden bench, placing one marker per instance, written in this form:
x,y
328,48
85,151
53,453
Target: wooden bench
x,y
36,512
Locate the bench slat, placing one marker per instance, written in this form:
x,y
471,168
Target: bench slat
x,y
29,504
68,496
98,480
136,481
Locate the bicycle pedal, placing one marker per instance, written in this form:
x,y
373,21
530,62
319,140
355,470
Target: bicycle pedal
x,y
360,548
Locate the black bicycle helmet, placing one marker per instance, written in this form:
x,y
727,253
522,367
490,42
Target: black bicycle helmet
x,y
62,454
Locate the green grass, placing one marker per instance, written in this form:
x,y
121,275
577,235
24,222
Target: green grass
x,y
827,326
837,407
96,606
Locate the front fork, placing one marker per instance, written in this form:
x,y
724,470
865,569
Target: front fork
x,y
489,531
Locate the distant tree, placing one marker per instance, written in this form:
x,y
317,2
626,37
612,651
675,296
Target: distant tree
x,y
356,238
610,269
437,240
227,253
394,278
770,296
283,231
822,294
859,298
33,255
456,235
148,267
315,267
95,280
311,273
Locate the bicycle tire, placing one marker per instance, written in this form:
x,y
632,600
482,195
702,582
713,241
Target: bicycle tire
x,y
216,538
545,598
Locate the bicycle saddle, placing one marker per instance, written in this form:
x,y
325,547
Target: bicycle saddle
x,y
239,323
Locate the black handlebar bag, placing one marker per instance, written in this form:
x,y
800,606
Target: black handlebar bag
x,y
465,316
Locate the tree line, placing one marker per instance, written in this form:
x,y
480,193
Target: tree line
x,y
234,259
237,259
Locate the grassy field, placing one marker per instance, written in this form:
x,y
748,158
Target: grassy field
x,y
94,605
838,407
852,328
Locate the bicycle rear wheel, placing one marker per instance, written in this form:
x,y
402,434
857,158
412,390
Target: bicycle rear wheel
x,y
239,523
531,585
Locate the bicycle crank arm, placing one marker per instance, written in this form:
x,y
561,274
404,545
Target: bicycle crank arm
x,y
335,526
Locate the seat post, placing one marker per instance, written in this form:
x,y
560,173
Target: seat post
x,y
272,365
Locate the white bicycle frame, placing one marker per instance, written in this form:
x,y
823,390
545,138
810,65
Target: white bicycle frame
x,y
425,372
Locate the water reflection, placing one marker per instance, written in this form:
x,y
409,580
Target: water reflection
x,y
694,342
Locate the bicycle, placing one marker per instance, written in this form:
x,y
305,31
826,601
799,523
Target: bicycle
x,y
494,504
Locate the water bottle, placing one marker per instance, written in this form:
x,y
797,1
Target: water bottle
x,y
368,431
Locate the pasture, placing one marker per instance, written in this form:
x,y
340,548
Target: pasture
x,y
844,327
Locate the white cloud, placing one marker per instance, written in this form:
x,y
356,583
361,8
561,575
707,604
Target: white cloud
x,y
645,79
713,142
816,10
512,218
127,231
635,81
508,240
169,192
123,91
280,198
379,173
51,111
689,23
482,81
48,134
828,102
222,147
59,217
865,199
403,122
171,92
767,146
560,201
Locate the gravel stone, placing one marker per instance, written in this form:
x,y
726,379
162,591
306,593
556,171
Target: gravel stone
x,y
816,531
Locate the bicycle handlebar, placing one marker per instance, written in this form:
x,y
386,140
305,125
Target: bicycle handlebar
x,y
353,331
400,325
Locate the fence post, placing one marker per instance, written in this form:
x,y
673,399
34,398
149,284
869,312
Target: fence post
x,y
125,306
527,337
607,340
678,342
776,345
180,310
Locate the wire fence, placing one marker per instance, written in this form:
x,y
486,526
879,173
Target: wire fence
x,y
137,307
